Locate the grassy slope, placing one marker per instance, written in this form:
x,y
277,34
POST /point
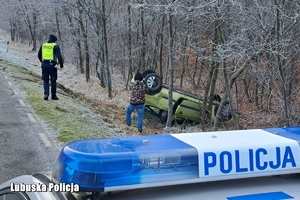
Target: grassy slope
x,y
67,116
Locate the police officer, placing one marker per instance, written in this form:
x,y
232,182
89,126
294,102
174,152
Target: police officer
x,y
50,56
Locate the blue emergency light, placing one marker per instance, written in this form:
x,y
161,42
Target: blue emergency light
x,y
110,164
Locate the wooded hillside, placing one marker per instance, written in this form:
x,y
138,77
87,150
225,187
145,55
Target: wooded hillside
x,y
245,51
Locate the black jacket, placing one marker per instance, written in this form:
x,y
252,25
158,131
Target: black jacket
x,y
56,52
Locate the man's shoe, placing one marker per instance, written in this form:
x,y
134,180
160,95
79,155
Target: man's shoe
x,y
45,97
54,97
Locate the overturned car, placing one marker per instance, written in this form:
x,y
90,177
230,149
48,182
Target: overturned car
x,y
186,107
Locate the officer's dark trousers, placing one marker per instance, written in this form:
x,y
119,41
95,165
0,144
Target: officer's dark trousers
x,y
49,72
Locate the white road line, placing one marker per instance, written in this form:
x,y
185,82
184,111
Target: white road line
x,y
15,92
45,140
9,83
32,119
22,102
5,77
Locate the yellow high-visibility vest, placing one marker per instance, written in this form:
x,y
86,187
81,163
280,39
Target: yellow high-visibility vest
x,y
47,51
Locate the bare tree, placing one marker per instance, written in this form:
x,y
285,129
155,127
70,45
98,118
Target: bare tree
x,y
171,63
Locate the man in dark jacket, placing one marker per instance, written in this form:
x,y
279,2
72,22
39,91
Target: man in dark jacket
x,y
50,56
137,100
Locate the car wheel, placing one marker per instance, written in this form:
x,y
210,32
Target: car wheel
x,y
225,114
154,92
153,83
148,71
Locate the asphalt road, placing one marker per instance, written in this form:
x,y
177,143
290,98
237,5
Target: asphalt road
x,y
25,148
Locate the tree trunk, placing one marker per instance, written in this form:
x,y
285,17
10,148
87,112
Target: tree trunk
x,y
129,44
171,69
161,48
34,17
106,60
86,47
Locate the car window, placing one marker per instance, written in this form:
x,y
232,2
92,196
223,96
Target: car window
x,y
7,194
11,196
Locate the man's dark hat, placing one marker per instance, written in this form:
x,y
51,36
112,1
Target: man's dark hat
x,y
138,76
52,38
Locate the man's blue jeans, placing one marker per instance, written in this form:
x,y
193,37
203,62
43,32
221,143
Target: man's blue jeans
x,y
140,111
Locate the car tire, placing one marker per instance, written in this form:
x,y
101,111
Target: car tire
x,y
153,83
148,71
151,93
225,112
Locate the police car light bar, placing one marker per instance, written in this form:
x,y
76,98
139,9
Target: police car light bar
x,y
110,164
